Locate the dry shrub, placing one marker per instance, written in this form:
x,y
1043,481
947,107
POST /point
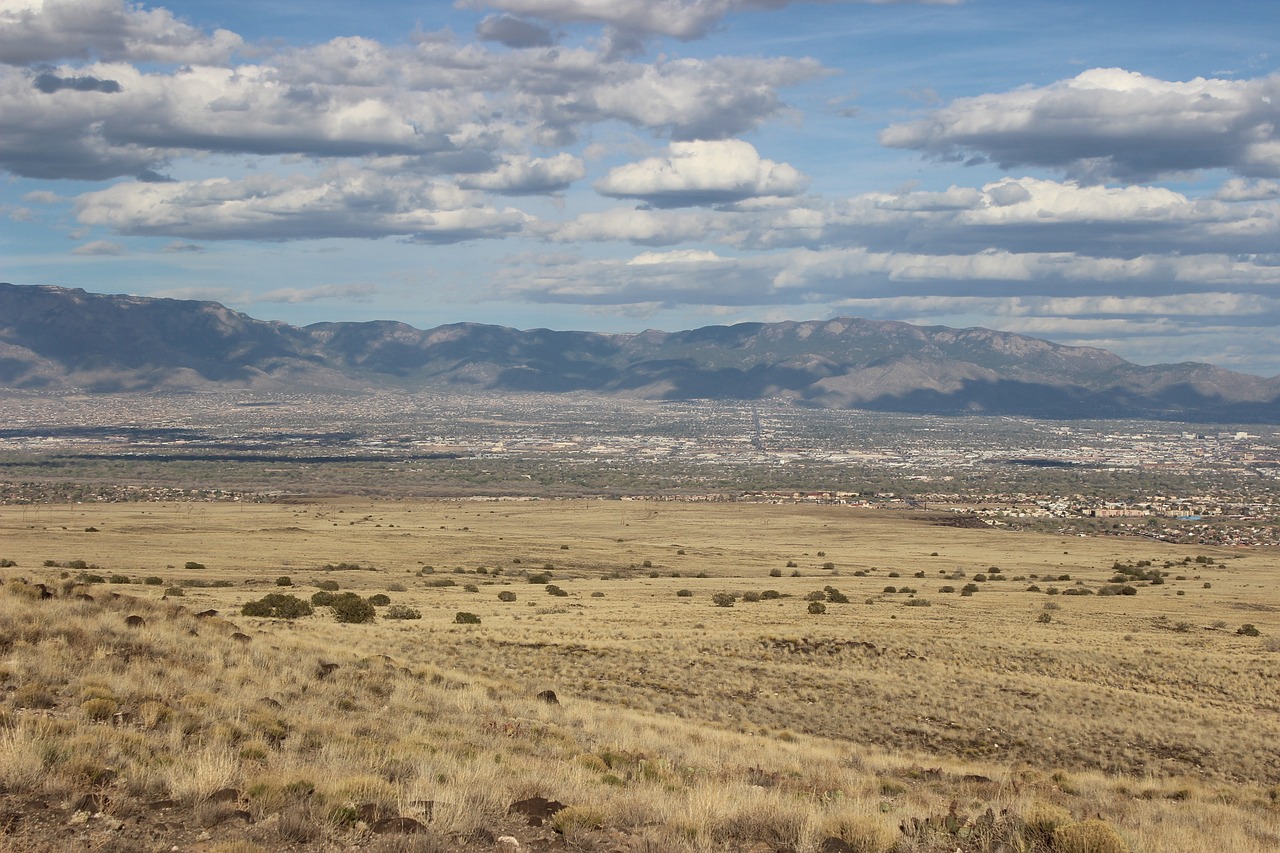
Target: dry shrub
x,y
34,696
152,713
98,710
1041,820
21,757
237,847
575,822
863,833
1088,836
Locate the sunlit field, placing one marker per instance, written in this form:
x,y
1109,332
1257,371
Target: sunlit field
x,y
728,677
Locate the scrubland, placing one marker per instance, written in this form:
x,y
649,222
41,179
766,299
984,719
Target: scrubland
x,y
729,677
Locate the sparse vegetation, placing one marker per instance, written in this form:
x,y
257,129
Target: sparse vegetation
x,y
638,762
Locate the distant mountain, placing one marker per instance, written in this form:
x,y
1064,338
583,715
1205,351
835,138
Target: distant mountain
x,y
55,338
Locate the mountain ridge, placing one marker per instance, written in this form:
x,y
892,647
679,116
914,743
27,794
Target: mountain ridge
x,y
54,338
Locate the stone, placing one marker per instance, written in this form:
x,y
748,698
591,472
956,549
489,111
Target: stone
x,y
398,826
537,810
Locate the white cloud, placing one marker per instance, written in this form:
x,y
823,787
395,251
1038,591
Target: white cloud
x,y
1240,189
34,31
1110,124
449,107
340,203
702,173
683,19
524,175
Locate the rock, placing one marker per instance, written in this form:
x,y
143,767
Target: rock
x,y
506,844
398,826
537,810
90,803
549,696
206,614
135,621
370,813
224,795
240,637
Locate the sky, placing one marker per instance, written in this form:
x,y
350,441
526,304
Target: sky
x,y
1092,173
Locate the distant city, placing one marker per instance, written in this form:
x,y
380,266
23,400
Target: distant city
x,y
1197,484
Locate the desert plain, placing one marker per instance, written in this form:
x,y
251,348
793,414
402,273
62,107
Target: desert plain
x,y
757,677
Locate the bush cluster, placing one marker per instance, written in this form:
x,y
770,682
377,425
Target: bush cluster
x,y
277,605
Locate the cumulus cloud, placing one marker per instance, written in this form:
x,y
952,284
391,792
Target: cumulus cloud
x,y
1109,124
341,203
796,277
702,173
683,19
450,106
34,31
1240,189
514,32
523,175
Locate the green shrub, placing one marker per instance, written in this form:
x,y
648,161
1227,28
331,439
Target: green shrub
x,y
919,602
722,599
751,596
400,611
352,609
835,596
462,618
552,589
331,586
277,605
440,582
541,577
284,580
323,598
175,590
192,565
1248,629
684,593
120,579
817,607
770,594
379,599
506,595
153,581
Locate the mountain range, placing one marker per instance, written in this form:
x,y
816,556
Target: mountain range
x,y
54,339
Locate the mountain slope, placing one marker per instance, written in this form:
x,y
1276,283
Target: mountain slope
x,y
55,338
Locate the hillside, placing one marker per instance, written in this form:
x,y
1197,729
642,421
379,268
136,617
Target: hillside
x,y
54,339
704,703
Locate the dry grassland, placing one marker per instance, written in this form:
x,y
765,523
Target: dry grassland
x,y
1084,722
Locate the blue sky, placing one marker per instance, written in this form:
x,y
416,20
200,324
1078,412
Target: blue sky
x,y
1084,172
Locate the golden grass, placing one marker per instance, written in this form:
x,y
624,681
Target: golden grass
x,y
682,726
